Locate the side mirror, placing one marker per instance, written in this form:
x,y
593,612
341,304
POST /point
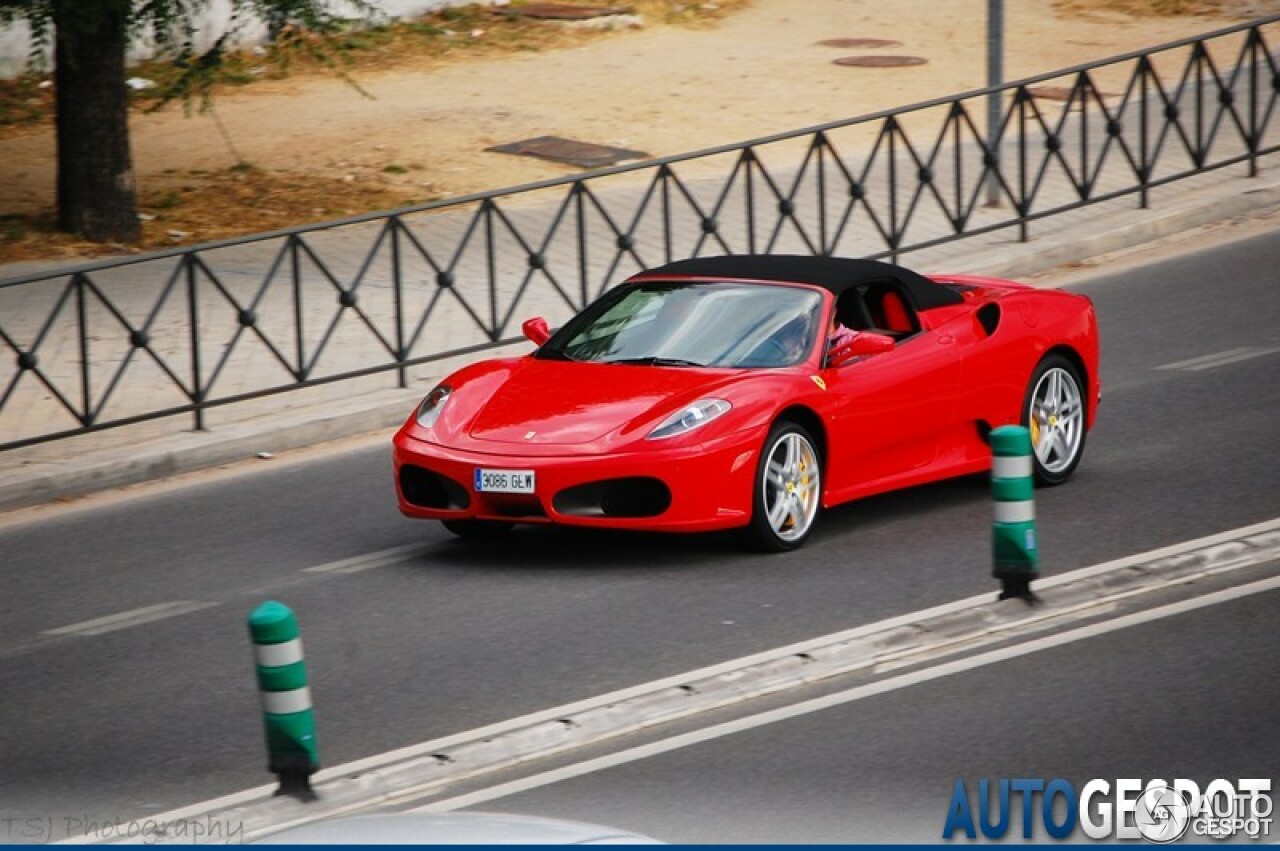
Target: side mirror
x,y
862,344
536,330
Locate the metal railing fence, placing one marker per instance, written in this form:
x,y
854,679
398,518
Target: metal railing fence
x,y
186,330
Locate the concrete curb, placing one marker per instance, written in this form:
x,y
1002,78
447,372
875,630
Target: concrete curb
x,y
1152,226
190,451
307,426
893,644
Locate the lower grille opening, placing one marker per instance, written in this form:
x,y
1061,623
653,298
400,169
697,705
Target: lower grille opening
x,y
426,489
636,496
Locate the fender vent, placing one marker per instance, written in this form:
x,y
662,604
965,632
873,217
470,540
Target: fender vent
x,y
989,317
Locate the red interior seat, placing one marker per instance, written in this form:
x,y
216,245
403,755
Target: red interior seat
x,y
896,317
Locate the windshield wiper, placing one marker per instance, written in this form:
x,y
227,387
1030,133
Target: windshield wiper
x,y
553,354
656,361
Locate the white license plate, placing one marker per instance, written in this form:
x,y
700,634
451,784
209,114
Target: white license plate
x,y
504,481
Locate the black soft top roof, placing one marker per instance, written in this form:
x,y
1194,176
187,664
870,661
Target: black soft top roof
x,y
836,274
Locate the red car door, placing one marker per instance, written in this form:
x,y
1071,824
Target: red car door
x,y
889,414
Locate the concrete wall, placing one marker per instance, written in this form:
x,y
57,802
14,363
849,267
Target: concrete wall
x,y
15,41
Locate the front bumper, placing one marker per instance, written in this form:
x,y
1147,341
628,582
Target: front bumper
x,y
709,485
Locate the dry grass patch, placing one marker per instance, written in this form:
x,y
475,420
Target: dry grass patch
x,y
181,208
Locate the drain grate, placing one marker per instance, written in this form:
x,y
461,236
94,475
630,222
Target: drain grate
x,y
570,151
858,43
565,12
880,61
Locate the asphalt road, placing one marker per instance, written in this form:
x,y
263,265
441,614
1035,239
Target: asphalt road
x,y
1178,697
451,636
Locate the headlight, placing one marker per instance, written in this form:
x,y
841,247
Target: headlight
x,y
429,410
689,418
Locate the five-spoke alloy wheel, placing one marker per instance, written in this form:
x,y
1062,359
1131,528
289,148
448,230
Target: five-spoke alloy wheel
x,y
788,489
1054,412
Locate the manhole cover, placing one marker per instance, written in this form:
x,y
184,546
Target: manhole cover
x,y
1061,93
880,61
556,149
858,43
565,12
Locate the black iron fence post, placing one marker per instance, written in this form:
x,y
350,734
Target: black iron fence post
x,y
397,291
193,329
1254,141
895,235
664,176
1144,130
580,210
491,264
295,278
995,78
86,361
1022,98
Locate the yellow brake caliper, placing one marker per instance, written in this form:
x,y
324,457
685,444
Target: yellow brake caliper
x,y
791,489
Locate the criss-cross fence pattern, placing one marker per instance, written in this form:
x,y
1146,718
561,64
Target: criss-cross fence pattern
x,y
184,331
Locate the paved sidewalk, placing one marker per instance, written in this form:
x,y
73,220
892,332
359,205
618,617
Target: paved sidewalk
x,y
159,449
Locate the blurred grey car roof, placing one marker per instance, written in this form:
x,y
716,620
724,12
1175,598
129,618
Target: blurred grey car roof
x,y
453,829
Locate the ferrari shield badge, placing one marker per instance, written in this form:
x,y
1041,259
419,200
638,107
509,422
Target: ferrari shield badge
x,y
817,379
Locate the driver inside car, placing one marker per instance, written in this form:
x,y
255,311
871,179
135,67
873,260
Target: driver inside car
x,y
838,333
791,340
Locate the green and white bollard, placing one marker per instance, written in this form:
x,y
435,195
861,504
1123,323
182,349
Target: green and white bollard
x,y
286,700
1014,550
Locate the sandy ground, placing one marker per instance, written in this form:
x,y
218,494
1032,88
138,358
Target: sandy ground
x,y
660,89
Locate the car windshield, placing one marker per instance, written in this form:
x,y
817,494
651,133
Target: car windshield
x,y
693,324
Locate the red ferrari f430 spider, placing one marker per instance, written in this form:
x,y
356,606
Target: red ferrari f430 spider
x,y
752,391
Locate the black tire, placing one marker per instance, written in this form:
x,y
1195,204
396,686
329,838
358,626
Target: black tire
x,y
1064,419
805,485
478,529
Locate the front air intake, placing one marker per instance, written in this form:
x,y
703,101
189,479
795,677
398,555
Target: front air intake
x,y
426,489
636,496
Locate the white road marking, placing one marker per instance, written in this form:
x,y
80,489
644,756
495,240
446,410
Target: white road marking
x,y
133,617
409,752
827,701
147,614
1218,359
368,561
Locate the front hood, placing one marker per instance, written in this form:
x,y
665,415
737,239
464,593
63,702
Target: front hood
x,y
546,402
